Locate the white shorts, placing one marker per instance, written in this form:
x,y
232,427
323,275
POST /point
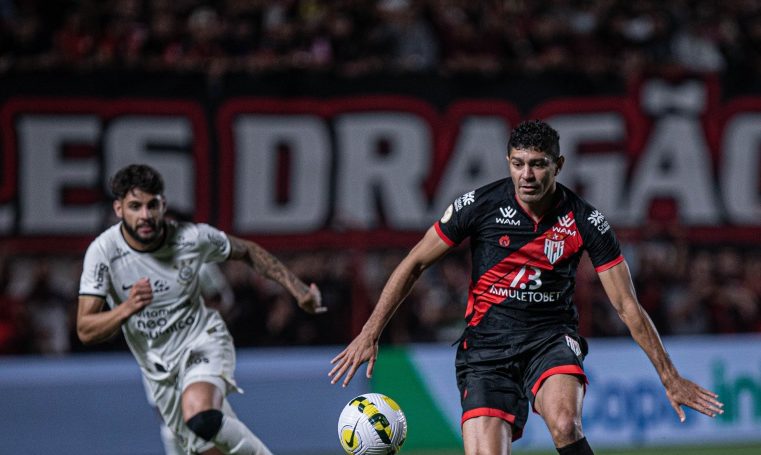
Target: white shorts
x,y
210,359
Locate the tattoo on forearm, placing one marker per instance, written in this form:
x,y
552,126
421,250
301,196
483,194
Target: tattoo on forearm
x,y
269,266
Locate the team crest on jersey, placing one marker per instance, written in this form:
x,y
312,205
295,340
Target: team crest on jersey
x,y
504,241
554,244
185,266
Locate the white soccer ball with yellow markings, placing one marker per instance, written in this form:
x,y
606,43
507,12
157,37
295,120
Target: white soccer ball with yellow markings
x,y
372,424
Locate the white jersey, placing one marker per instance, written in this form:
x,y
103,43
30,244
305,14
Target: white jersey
x,y
160,333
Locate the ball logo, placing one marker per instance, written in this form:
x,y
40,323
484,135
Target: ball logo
x,y
349,439
372,424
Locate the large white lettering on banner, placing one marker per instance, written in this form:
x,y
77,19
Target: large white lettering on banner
x,y
363,169
257,140
44,173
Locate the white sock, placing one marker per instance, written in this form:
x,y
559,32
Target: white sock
x,y
234,438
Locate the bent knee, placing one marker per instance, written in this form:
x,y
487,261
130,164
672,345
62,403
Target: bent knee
x,y
565,427
206,424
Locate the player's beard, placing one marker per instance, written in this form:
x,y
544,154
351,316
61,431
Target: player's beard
x,y
158,231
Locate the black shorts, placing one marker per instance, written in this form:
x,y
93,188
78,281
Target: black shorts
x,y
492,384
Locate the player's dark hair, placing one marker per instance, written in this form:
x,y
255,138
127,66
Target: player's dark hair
x,y
136,176
535,135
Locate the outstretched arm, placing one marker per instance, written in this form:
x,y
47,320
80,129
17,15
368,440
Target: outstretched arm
x,y
364,348
308,297
680,391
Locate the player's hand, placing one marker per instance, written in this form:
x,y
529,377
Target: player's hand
x,y
311,302
362,349
682,391
140,296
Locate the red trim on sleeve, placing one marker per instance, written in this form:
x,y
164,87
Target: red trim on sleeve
x,y
563,369
611,264
442,235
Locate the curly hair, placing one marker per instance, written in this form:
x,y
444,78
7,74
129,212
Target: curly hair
x,y
535,135
139,176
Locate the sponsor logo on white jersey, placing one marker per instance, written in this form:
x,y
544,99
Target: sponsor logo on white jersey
x,y
100,274
160,286
118,254
217,239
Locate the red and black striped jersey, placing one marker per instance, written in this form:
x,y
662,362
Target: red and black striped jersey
x,y
523,272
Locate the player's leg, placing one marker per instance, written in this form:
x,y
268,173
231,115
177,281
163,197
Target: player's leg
x,y
487,435
207,378
169,441
202,408
493,403
559,402
556,384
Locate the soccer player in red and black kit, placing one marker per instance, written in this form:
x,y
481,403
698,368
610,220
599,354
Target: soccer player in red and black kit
x,y
521,345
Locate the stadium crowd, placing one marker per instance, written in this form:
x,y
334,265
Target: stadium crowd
x,y
353,38
686,288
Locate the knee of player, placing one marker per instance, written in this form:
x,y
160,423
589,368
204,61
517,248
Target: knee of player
x,y
206,424
565,426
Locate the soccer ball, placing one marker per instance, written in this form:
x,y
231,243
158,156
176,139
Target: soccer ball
x,y
372,424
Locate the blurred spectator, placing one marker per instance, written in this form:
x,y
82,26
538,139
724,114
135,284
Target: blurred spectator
x,y
163,47
688,303
661,263
265,315
48,307
15,333
358,38
685,290
464,48
413,44
735,308
74,42
696,47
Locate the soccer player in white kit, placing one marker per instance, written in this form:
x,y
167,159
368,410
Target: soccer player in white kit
x,y
145,268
